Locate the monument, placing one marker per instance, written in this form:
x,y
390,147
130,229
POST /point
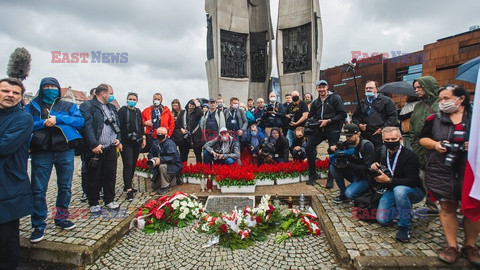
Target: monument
x,y
239,35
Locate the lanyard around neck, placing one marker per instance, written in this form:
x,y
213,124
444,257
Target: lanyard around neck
x,y
390,168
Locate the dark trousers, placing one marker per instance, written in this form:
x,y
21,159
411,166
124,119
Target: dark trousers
x,y
311,148
83,157
185,149
9,244
130,153
102,175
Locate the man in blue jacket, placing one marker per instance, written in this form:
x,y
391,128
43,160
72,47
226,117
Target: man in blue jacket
x,y
16,199
55,135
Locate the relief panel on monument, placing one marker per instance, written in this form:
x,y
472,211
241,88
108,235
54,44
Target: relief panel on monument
x,y
297,49
258,56
233,54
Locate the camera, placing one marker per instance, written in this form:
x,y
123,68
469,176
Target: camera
x,y
133,136
453,150
382,168
311,127
113,124
94,161
151,163
270,108
340,157
267,147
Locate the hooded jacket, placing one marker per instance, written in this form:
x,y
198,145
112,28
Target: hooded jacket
x,y
331,108
233,148
421,111
68,117
166,120
191,122
16,199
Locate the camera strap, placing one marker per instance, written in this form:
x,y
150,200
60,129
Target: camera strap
x,y
185,124
128,120
392,168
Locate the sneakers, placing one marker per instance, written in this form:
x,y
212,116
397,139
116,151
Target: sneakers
x,y
65,224
329,184
403,234
449,255
129,196
37,235
471,252
125,190
164,190
112,205
96,210
340,199
83,198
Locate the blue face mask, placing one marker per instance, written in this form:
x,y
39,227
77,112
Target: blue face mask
x,y
111,98
369,95
49,95
254,133
130,103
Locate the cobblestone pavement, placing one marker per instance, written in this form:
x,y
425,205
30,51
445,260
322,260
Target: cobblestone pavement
x,y
364,239
182,249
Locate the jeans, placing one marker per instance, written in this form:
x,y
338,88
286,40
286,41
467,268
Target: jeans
x,y
398,203
290,136
42,164
311,147
130,153
208,159
357,186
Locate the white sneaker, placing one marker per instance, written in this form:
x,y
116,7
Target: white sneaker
x,y
112,205
96,210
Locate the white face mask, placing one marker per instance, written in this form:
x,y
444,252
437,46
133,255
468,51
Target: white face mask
x,y
449,106
272,99
225,138
156,102
235,106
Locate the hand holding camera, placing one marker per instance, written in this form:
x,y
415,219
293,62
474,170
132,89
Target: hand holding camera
x,y
153,162
380,173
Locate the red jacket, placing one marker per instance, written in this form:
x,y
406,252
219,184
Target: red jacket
x,y
166,120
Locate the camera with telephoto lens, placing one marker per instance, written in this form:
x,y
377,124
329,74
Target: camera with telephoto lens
x,y
132,136
382,168
267,147
341,155
113,124
270,108
311,127
453,150
151,163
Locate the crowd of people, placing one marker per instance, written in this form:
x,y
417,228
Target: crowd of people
x,y
373,156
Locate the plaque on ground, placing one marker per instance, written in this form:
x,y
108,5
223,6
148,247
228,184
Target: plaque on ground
x,y
228,203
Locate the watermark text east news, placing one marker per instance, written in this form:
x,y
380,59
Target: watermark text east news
x,y
93,56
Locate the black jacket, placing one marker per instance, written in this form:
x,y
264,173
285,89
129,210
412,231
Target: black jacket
x,y
94,121
383,113
168,154
190,122
363,157
124,131
331,108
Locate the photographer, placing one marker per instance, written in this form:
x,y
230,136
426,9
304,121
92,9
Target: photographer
x,y
222,149
274,115
187,134
132,138
329,113
351,164
102,136
165,160
254,137
296,115
298,146
396,172
445,134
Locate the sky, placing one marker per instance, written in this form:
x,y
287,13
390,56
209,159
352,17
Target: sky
x,y
166,40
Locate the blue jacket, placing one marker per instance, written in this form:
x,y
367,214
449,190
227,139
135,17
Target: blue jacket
x,y
168,154
16,198
94,121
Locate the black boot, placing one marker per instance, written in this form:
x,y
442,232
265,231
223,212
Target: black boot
x,y
329,184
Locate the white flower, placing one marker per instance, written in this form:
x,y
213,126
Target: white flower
x,y
186,211
205,227
175,204
190,204
182,215
183,203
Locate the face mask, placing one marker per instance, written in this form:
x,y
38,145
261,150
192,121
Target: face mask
x,y
49,95
273,99
242,108
369,95
308,101
392,145
225,138
157,103
191,109
295,98
160,137
220,105
449,106
275,136
110,98
235,106
254,133
131,103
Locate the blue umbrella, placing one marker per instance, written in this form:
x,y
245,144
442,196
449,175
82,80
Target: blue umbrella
x,y
469,71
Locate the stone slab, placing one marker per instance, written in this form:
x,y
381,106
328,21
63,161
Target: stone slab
x,y
228,203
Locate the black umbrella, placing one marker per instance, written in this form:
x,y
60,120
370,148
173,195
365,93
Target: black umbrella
x,y
398,88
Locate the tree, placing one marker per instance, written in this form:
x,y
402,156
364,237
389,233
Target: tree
x,y
19,65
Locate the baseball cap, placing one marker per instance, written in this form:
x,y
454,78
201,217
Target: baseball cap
x,y
321,82
223,129
212,100
350,129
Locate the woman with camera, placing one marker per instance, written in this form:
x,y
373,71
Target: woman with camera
x,y
187,134
132,137
446,135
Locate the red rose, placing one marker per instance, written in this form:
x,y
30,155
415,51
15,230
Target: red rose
x,y
162,199
270,208
149,221
158,214
150,204
224,228
175,222
139,213
258,219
